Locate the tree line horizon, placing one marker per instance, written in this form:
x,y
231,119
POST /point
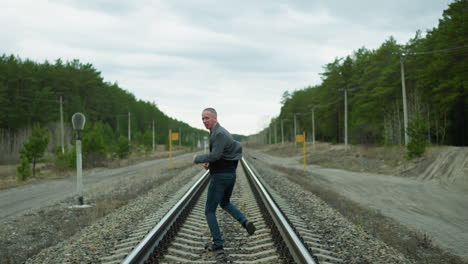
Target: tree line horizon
x,y
436,91
436,78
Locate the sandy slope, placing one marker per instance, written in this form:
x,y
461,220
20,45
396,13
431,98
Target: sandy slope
x,y
435,202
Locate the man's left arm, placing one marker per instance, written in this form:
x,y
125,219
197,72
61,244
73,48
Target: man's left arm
x,y
216,152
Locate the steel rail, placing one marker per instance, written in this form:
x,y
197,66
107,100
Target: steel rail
x,y
144,249
296,248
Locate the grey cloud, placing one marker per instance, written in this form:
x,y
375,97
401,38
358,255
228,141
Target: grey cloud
x,y
111,7
385,15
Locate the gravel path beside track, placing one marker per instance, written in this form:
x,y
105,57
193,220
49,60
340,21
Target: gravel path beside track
x,y
350,242
438,209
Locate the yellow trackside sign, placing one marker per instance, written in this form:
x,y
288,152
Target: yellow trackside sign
x,y
299,138
175,136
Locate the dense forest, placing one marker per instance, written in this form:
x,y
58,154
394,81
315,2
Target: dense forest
x,y
436,80
30,94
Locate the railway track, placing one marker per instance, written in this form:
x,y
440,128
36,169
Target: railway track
x,y
178,232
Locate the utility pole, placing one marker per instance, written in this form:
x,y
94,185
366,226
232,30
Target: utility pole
x,y
295,130
170,148
403,90
313,126
153,135
282,133
403,86
346,89
129,130
180,136
269,135
62,136
346,117
276,137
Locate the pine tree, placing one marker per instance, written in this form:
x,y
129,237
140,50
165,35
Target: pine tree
x,y
418,138
23,171
33,149
123,148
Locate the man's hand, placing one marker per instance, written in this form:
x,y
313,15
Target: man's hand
x,y
206,165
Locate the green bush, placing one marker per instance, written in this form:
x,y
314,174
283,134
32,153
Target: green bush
x,y
148,141
65,161
94,146
23,170
34,148
418,138
123,148
93,141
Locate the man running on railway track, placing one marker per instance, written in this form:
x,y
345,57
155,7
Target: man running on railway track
x,y
225,153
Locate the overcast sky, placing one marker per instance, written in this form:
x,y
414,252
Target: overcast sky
x,y
236,56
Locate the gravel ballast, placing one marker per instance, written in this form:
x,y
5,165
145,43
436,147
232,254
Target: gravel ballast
x,y
97,238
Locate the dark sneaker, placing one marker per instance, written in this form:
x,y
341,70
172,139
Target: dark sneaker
x,y
218,253
214,248
250,227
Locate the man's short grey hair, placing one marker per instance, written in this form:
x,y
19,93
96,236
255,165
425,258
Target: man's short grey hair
x,y
211,110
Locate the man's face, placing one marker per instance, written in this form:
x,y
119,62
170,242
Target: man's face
x,y
209,120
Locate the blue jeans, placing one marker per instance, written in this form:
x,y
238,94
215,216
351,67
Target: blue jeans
x,y
219,192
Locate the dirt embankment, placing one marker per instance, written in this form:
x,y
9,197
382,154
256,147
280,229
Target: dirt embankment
x,y
443,164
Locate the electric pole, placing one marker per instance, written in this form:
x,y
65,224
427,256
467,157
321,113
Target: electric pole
x,y
62,136
346,117
282,133
269,135
276,137
346,89
403,90
313,126
403,85
295,130
153,135
129,130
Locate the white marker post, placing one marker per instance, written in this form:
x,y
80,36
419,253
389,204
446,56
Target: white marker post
x,y
78,120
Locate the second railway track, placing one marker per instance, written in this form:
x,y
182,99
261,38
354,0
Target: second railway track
x,y
180,235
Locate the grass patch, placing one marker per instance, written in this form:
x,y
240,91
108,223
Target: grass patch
x,y
414,244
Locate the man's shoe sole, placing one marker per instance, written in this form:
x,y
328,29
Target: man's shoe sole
x,y
250,228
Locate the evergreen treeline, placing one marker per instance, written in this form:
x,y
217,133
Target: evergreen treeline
x,y
436,71
30,92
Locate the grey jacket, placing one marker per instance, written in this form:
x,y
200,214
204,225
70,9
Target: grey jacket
x,y
222,147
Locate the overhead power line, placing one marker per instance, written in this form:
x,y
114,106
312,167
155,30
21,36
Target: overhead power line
x,y
435,51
